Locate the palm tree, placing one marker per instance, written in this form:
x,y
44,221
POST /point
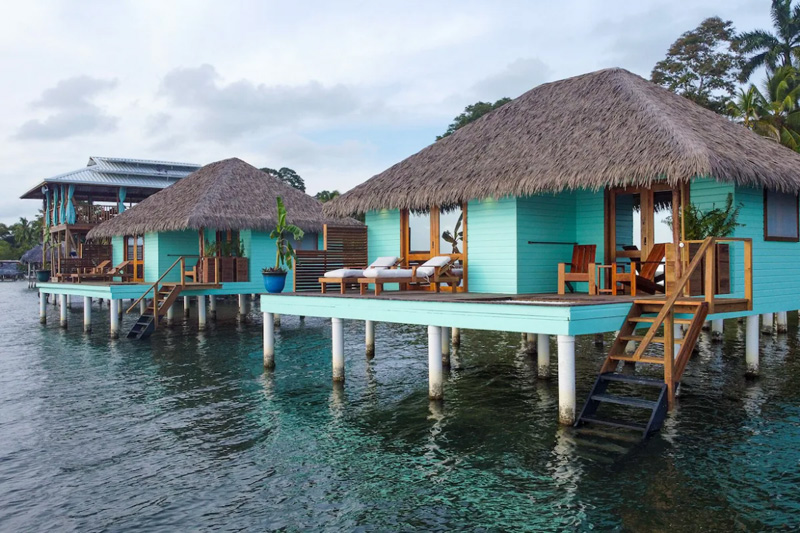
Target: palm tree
x,y
773,50
746,106
24,234
777,114
326,196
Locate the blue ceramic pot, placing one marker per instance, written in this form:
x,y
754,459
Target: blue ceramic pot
x,y
274,282
42,275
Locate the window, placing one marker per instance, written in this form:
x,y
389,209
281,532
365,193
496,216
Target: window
x,y
781,216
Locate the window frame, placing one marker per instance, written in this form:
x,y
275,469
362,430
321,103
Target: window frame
x,y
769,238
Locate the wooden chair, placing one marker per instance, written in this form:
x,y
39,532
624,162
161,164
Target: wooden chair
x,y
581,269
642,276
351,275
193,272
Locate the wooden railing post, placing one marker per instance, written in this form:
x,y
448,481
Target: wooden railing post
x,y
748,273
669,355
710,275
183,271
216,270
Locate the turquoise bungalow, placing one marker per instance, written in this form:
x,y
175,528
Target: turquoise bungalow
x,y
205,236
569,211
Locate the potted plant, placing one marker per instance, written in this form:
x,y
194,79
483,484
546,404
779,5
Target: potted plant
x,y
208,262
43,275
275,277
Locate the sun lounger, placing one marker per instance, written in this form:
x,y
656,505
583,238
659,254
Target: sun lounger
x,y
434,271
343,276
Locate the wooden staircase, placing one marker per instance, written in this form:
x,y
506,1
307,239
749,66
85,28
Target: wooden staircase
x,y
148,321
657,346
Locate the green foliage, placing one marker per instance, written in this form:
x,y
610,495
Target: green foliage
x,y
288,176
773,112
702,65
20,237
327,196
715,222
7,251
210,249
772,50
284,254
472,113
456,236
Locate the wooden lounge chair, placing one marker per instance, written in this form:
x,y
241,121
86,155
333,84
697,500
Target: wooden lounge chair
x,y
434,271
100,273
343,276
581,269
643,276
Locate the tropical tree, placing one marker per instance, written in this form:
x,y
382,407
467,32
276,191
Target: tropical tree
x,y
772,49
777,108
702,65
25,236
327,196
471,114
745,109
288,176
284,251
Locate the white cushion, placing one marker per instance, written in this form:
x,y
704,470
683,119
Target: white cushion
x,y
387,273
438,261
345,273
383,262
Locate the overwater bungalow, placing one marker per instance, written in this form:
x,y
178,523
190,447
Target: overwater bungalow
x,y
204,236
75,202
563,213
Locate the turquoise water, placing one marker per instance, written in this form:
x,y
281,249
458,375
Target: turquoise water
x,y
185,432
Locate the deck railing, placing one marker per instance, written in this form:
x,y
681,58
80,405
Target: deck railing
x,y
94,214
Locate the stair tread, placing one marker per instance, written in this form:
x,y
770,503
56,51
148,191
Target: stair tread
x,y
651,360
640,338
636,380
651,319
625,400
614,422
697,303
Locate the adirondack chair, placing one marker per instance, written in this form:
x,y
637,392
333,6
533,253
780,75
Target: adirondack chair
x,y
642,276
581,269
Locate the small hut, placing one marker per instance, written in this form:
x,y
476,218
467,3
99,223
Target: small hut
x,y
224,211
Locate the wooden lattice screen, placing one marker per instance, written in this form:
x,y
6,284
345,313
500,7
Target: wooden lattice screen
x,y
97,253
344,246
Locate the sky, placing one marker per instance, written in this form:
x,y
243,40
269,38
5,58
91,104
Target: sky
x,y
337,91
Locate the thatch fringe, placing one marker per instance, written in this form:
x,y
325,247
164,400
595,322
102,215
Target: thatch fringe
x,y
604,129
226,195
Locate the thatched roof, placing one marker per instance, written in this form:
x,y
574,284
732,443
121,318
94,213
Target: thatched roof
x,y
603,129
34,255
226,195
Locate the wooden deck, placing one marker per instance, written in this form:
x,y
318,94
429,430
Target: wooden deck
x,y
722,305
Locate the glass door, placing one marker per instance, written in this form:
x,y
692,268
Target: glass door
x,y
433,233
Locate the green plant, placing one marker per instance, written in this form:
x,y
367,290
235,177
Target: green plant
x,y
284,254
716,222
210,249
238,247
456,236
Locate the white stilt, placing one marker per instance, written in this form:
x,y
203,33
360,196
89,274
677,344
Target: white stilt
x,y
446,347
143,306
369,338
69,301
630,347
186,308
782,321
212,307
87,314
242,306
766,323
677,335
751,345
566,379
435,373
171,315
277,320
716,329
337,348
113,306
543,356
530,342
201,312
706,325
63,299
269,341
456,334
42,308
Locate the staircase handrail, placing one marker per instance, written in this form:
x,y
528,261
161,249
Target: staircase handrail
x,y
154,286
677,292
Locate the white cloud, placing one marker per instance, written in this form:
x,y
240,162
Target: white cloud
x,y
75,113
519,76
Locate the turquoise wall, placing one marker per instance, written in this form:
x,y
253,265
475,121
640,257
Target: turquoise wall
x,y
117,250
162,249
383,233
492,245
775,280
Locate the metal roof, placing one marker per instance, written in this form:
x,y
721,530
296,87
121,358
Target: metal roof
x,y
117,172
